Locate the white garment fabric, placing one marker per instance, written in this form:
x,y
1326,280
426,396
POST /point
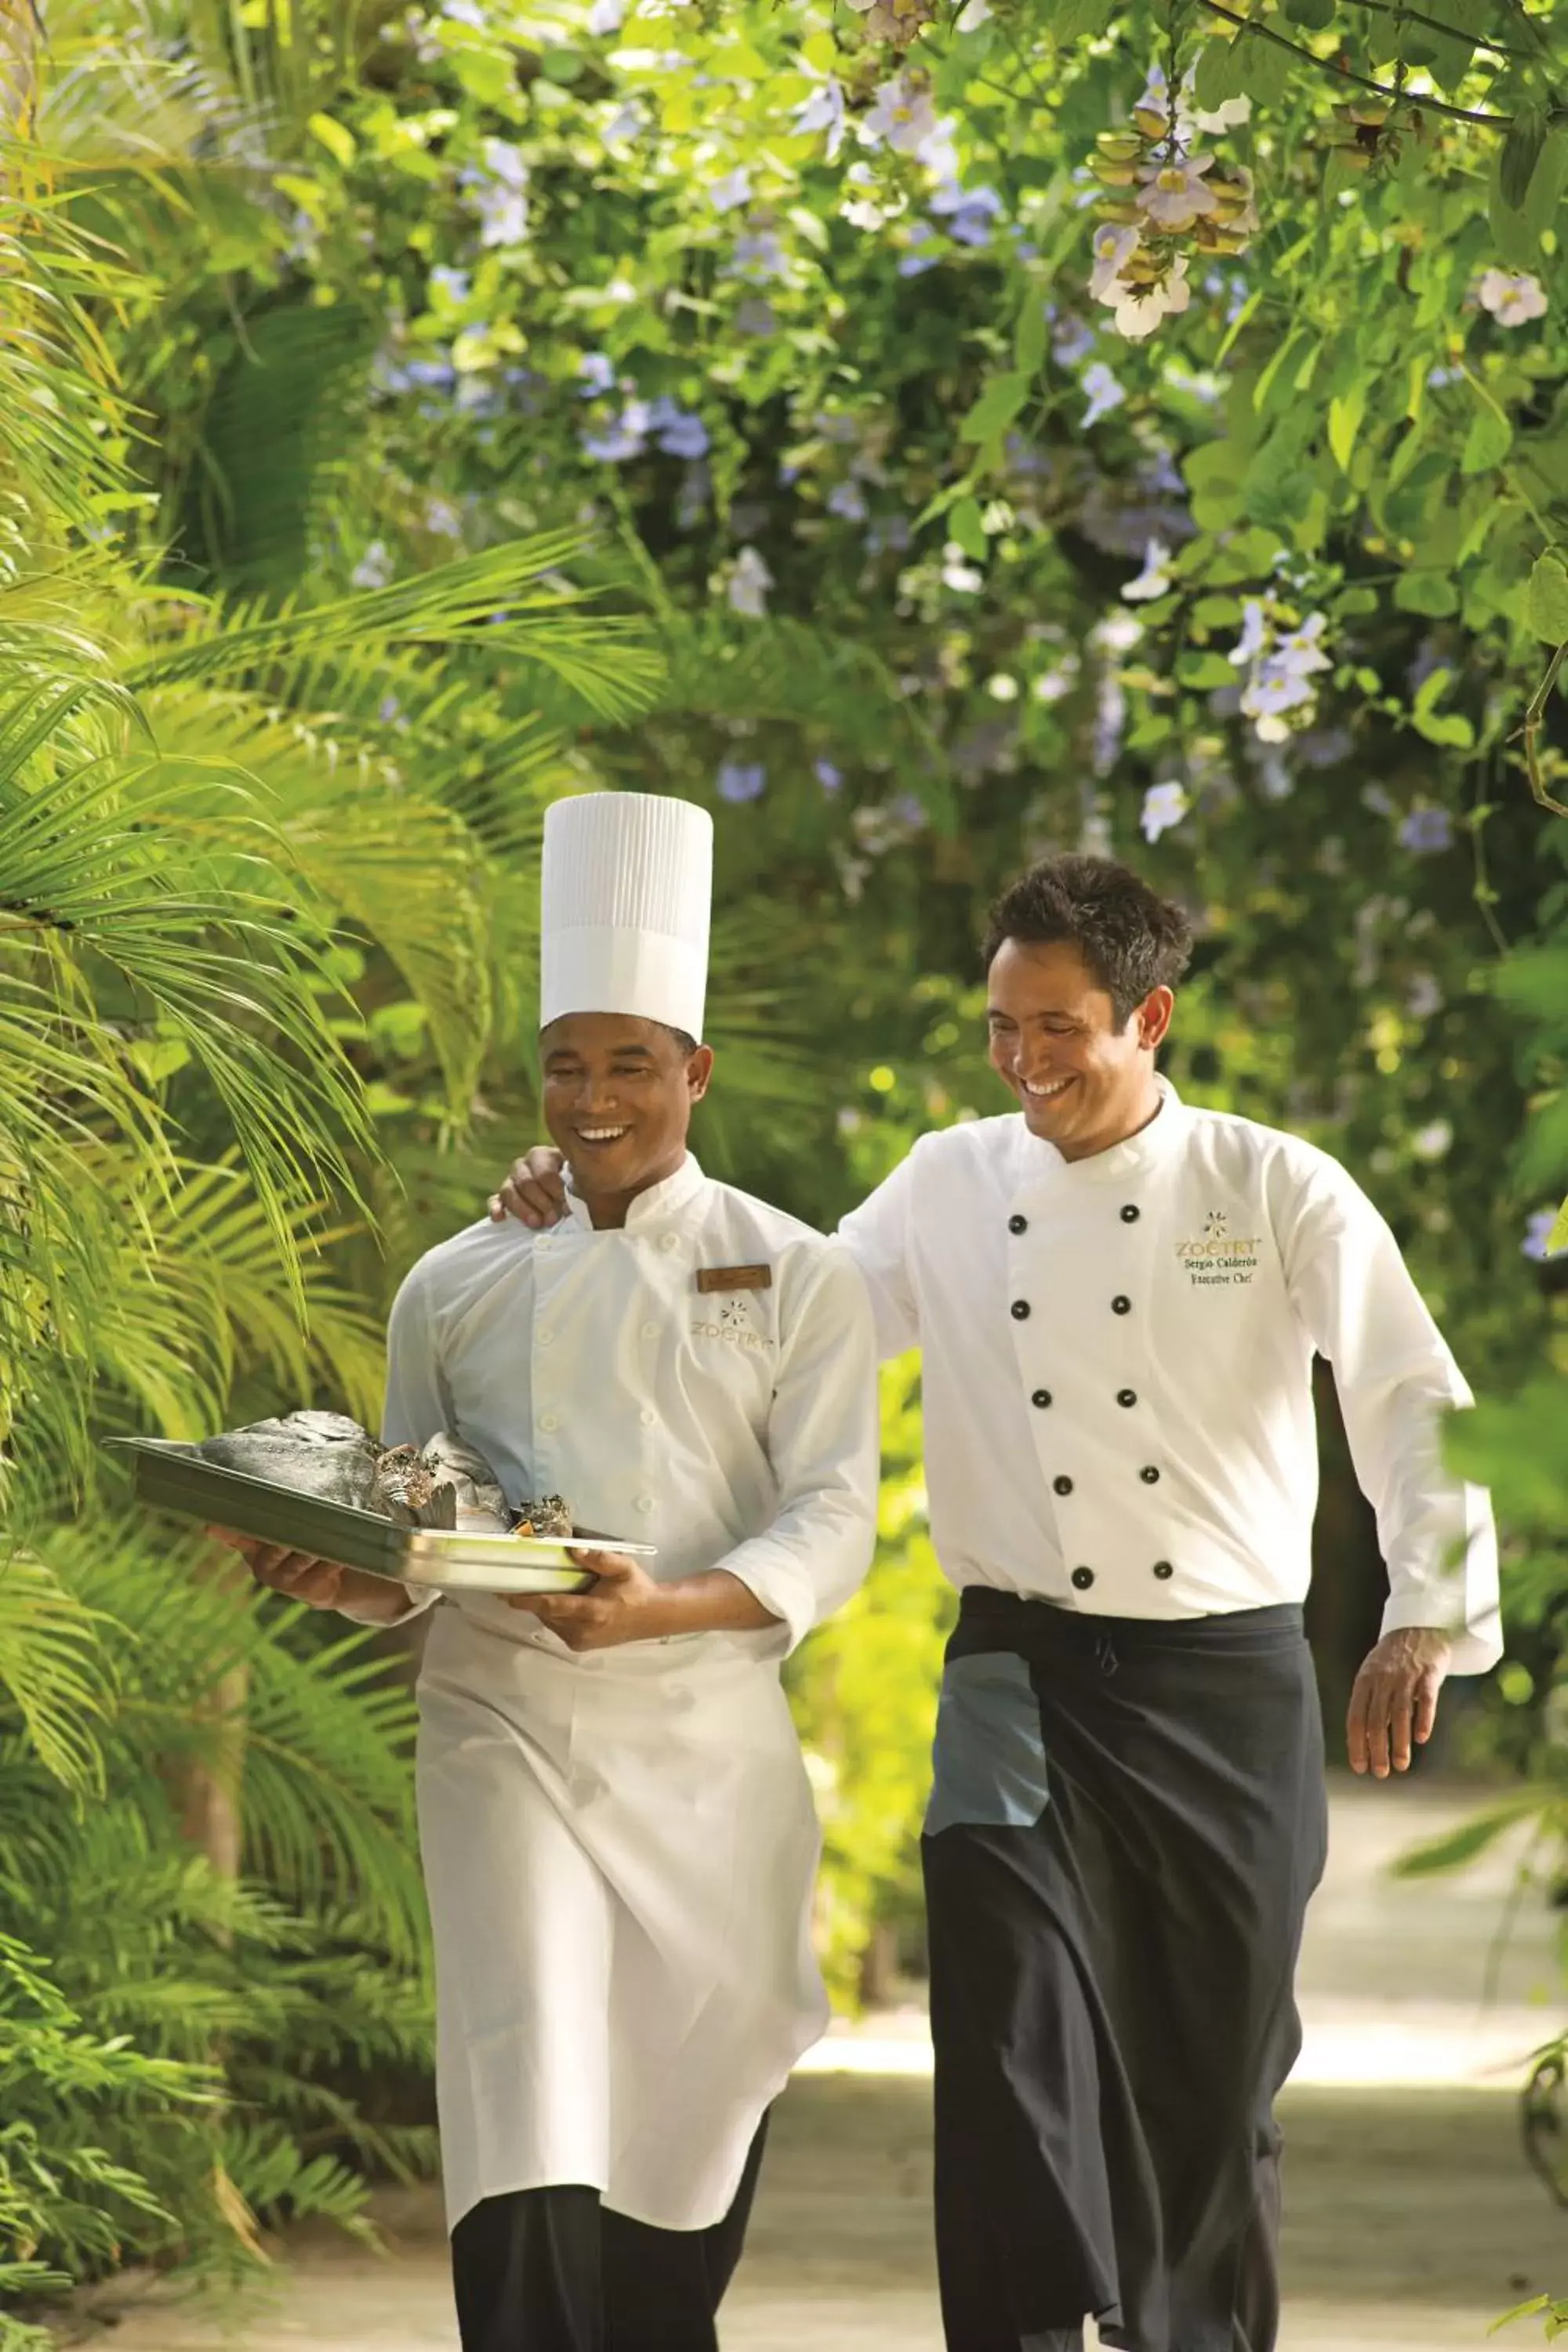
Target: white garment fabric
x,y
1117,1371
620,1845
625,899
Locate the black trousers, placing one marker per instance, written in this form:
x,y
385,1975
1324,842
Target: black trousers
x,y
1127,1822
556,2269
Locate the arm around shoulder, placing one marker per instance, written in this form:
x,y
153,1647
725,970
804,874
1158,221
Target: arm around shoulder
x,y
824,1439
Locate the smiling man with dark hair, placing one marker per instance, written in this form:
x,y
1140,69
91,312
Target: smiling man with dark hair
x,y
1118,1299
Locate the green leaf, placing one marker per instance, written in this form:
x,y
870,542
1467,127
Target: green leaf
x,y
1205,671
965,526
996,407
1316,15
1218,75
1345,415
1073,19
1557,1239
1451,729
1431,593
1217,612
1516,242
1029,336
1547,183
1521,153
1489,440
1546,603
1264,66
335,137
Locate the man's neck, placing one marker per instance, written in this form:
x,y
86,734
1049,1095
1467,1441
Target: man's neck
x,y
608,1212
1133,1121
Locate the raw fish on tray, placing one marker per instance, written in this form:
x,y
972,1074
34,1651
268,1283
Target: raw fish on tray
x,y
445,1485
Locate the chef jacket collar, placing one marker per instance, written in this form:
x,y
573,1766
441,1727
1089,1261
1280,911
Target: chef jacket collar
x,y
1159,1142
659,1200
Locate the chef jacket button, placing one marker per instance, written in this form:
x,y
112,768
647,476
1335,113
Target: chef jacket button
x,y
1042,1397
1020,1310
650,1331
1127,1396
544,1338
1063,1486
1017,1225
670,1241
549,1421
1130,1214
645,1502
1162,1569
647,1416
1120,1305
1083,1577
1149,1476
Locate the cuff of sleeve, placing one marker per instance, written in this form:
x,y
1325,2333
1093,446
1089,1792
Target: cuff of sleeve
x,y
782,1589
1476,1639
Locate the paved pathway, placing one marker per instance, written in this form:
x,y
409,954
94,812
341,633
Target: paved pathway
x,y
1412,2219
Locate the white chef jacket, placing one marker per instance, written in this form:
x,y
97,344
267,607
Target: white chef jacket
x,y
1117,1370
620,1845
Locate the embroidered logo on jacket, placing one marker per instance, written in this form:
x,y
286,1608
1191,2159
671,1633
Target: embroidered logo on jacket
x,y
1218,1258
734,1326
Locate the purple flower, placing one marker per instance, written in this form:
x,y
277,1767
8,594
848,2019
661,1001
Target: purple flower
x,y
969,212
1104,392
1426,831
614,444
1536,1234
756,316
375,567
734,188
759,255
741,780
887,534
680,434
1073,340
595,374
829,777
848,500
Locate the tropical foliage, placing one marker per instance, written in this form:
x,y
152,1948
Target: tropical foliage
x,y
927,434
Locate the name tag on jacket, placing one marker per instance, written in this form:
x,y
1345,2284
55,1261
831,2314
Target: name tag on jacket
x,y
734,1278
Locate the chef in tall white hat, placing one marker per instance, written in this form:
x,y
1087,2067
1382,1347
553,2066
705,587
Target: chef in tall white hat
x,y
618,1836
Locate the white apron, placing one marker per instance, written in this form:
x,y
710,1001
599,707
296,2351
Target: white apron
x,y
620,1846
610,1842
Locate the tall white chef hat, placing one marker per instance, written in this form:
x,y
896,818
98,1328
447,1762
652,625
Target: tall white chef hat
x,y
626,892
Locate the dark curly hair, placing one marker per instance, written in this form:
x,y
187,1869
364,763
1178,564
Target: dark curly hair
x,y
1130,938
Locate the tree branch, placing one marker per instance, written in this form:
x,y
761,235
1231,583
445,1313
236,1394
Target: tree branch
x,y
1362,81
1435,24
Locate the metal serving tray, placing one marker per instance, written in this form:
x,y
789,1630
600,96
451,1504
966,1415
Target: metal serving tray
x,y
172,1477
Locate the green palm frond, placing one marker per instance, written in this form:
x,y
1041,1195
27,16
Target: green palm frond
x,y
401,871
60,409
508,602
279,441
55,1670
321,1758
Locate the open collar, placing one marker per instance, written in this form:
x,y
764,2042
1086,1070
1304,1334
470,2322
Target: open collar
x,y
649,1208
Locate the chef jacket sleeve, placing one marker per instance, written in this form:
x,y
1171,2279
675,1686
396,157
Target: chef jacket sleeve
x,y
824,1442
416,1405
876,1235
1397,1381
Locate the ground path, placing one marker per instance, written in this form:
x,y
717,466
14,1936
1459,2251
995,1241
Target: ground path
x,y
1413,2221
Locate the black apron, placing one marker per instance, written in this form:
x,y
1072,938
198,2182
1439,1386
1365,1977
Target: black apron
x,y
1127,1820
